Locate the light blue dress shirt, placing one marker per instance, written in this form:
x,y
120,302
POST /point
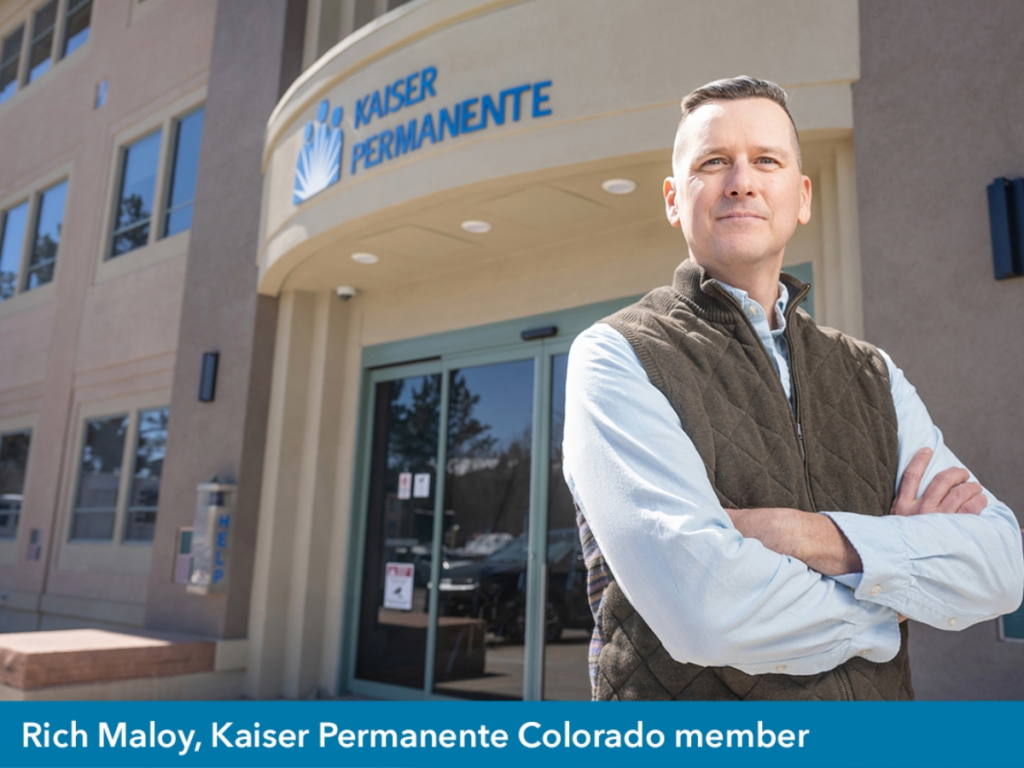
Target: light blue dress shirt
x,y
715,598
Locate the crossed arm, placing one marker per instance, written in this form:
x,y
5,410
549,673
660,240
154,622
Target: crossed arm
x,y
718,592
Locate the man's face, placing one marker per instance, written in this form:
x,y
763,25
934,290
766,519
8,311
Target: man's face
x,y
738,192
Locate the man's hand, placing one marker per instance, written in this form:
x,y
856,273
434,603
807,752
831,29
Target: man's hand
x,y
949,492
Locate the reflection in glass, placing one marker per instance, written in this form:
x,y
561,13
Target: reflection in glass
x,y
13,462
188,133
12,237
50,220
10,54
135,198
482,590
149,462
399,529
99,478
42,40
76,25
569,621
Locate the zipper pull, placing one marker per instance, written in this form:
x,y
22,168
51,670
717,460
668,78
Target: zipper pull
x,y
800,436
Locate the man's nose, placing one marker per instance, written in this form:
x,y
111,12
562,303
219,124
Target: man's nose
x,y
741,182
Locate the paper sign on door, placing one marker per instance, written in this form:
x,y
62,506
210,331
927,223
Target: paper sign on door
x,y
398,586
421,486
405,485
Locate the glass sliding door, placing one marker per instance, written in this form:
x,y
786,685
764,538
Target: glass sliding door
x,y
393,618
482,604
569,622
468,576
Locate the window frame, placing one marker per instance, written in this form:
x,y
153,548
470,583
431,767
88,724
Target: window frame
x,y
33,195
34,36
131,407
157,246
65,12
15,427
25,19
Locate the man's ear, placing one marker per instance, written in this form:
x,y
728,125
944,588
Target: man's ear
x,y
671,207
805,200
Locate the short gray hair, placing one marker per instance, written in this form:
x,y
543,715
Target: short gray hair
x,y
733,88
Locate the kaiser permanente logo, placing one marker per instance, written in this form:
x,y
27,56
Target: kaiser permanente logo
x,y
320,159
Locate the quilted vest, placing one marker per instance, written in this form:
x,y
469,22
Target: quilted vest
x,y
835,450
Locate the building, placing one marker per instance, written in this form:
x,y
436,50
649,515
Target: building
x,y
382,217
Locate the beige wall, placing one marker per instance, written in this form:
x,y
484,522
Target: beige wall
x,y
91,340
559,241
938,119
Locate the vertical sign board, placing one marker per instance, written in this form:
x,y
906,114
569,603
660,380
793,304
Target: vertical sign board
x,y
211,538
398,586
405,485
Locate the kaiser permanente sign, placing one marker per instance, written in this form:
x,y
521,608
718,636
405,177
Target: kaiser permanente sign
x,y
321,157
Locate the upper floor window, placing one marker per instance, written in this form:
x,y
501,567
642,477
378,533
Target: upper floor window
x,y
76,25
40,51
27,263
135,199
13,463
182,187
107,473
141,179
10,55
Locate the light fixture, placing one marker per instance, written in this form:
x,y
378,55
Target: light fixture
x,y
477,227
365,258
618,186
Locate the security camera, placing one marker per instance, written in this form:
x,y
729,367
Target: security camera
x,y
345,292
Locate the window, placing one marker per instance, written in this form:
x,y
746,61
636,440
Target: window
x,y
46,239
18,272
43,25
135,198
140,180
10,55
13,461
76,25
182,189
12,243
149,462
104,468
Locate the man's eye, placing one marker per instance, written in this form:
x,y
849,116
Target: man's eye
x,y
714,161
767,161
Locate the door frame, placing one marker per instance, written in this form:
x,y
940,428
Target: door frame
x,y
441,353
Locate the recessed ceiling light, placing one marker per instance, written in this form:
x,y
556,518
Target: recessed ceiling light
x,y
618,186
477,227
365,258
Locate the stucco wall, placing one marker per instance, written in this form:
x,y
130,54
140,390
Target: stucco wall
x,y
937,118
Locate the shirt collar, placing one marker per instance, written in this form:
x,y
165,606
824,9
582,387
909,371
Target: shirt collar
x,y
780,304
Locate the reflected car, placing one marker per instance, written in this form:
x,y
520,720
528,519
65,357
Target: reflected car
x,y
494,589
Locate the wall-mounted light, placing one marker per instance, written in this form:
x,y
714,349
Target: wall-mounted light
x,y
365,258
1006,217
208,377
477,227
618,186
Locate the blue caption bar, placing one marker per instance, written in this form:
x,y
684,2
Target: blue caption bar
x,y
510,734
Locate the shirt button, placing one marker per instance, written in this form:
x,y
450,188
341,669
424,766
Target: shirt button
x,y
865,652
876,590
952,622
780,668
752,310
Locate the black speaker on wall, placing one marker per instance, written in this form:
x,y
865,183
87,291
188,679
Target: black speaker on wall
x,y
208,377
1006,216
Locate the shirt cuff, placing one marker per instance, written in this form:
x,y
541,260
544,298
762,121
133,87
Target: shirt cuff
x,y
885,574
875,636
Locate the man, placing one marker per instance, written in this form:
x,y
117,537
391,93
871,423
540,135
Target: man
x,y
748,483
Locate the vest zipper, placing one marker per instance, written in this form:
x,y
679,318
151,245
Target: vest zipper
x,y
841,676
795,414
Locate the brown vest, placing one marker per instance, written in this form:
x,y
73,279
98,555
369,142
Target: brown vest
x,y
838,451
